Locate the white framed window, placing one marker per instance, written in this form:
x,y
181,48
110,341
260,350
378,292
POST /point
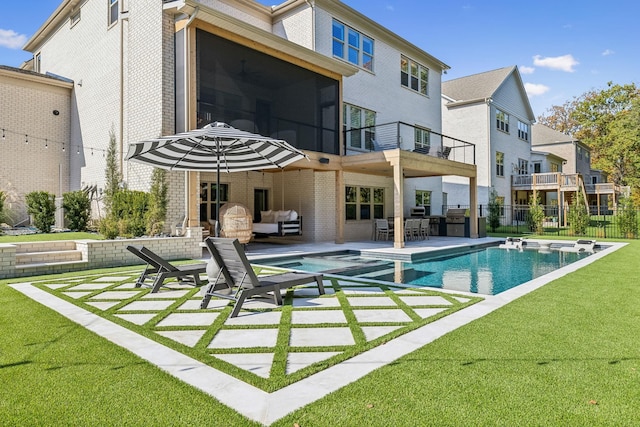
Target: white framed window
x,y
353,46
523,167
579,153
208,199
74,18
37,62
499,163
555,167
359,126
523,131
502,121
113,6
537,167
423,198
422,140
500,202
414,75
364,203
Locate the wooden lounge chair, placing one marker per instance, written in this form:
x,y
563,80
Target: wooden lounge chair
x,y
160,269
236,272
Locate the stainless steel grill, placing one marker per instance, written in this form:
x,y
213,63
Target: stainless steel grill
x,y
418,212
455,222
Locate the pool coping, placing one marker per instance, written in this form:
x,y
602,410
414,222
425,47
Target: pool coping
x,y
265,407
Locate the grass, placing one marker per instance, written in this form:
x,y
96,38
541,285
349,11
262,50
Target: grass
x,y
43,237
567,354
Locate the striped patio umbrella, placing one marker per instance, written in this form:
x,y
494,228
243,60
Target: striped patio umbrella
x,y
217,147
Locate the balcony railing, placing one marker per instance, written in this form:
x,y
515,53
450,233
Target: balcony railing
x,y
546,180
390,136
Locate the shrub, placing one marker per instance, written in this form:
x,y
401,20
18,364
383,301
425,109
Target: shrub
x,y
535,216
578,216
493,216
156,215
108,227
627,218
42,206
77,207
3,197
129,209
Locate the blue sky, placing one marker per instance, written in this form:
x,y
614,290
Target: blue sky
x,y
563,47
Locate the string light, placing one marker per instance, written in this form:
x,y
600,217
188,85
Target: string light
x,y
28,139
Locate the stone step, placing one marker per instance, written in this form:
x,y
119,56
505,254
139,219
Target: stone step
x,y
50,267
48,257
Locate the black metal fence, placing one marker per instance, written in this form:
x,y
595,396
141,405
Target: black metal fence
x,y
556,221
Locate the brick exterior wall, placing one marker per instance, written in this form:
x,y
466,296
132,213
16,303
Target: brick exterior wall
x,y
28,104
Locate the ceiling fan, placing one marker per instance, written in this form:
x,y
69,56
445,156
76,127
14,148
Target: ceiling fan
x,y
244,73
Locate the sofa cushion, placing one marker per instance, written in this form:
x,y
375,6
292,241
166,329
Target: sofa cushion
x,y
283,215
267,216
293,216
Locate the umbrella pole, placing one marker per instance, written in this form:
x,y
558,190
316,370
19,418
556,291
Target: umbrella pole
x,y
217,225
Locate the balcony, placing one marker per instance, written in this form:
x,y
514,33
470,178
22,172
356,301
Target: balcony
x,y
546,181
406,137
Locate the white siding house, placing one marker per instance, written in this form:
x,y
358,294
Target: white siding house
x,y
491,110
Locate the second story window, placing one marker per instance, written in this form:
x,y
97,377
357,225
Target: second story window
x,y
359,125
579,153
523,167
414,76
37,63
113,11
523,131
499,163
502,121
74,19
352,46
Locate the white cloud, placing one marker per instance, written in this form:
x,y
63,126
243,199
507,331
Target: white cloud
x,y
607,52
562,63
11,39
526,70
390,8
535,89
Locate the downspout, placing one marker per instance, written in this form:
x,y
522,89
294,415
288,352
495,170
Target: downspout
x,y
121,118
313,24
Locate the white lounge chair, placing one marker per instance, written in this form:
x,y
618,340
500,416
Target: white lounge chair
x,y
513,243
582,245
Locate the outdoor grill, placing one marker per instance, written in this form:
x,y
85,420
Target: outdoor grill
x,y
418,212
455,222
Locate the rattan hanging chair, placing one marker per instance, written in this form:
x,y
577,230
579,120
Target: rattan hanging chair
x,y
236,222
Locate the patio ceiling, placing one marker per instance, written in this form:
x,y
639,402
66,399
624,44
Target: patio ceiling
x,y
414,165
380,163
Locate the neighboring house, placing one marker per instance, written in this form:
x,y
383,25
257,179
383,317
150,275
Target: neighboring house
x,y
492,110
34,145
362,102
577,168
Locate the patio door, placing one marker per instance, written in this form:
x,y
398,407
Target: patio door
x,y
260,202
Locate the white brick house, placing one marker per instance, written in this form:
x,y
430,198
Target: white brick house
x,y
143,69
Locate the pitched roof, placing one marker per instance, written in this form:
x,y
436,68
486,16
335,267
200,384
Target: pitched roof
x,y
476,86
32,75
542,135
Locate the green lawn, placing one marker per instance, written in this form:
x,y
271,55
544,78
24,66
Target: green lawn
x,y
566,354
43,237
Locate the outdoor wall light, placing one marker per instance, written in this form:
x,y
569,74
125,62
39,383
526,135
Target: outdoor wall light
x,y
323,160
56,112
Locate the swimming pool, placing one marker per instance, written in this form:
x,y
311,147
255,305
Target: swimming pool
x,y
487,271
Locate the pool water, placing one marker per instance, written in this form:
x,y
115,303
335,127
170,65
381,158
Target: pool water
x,y
487,271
